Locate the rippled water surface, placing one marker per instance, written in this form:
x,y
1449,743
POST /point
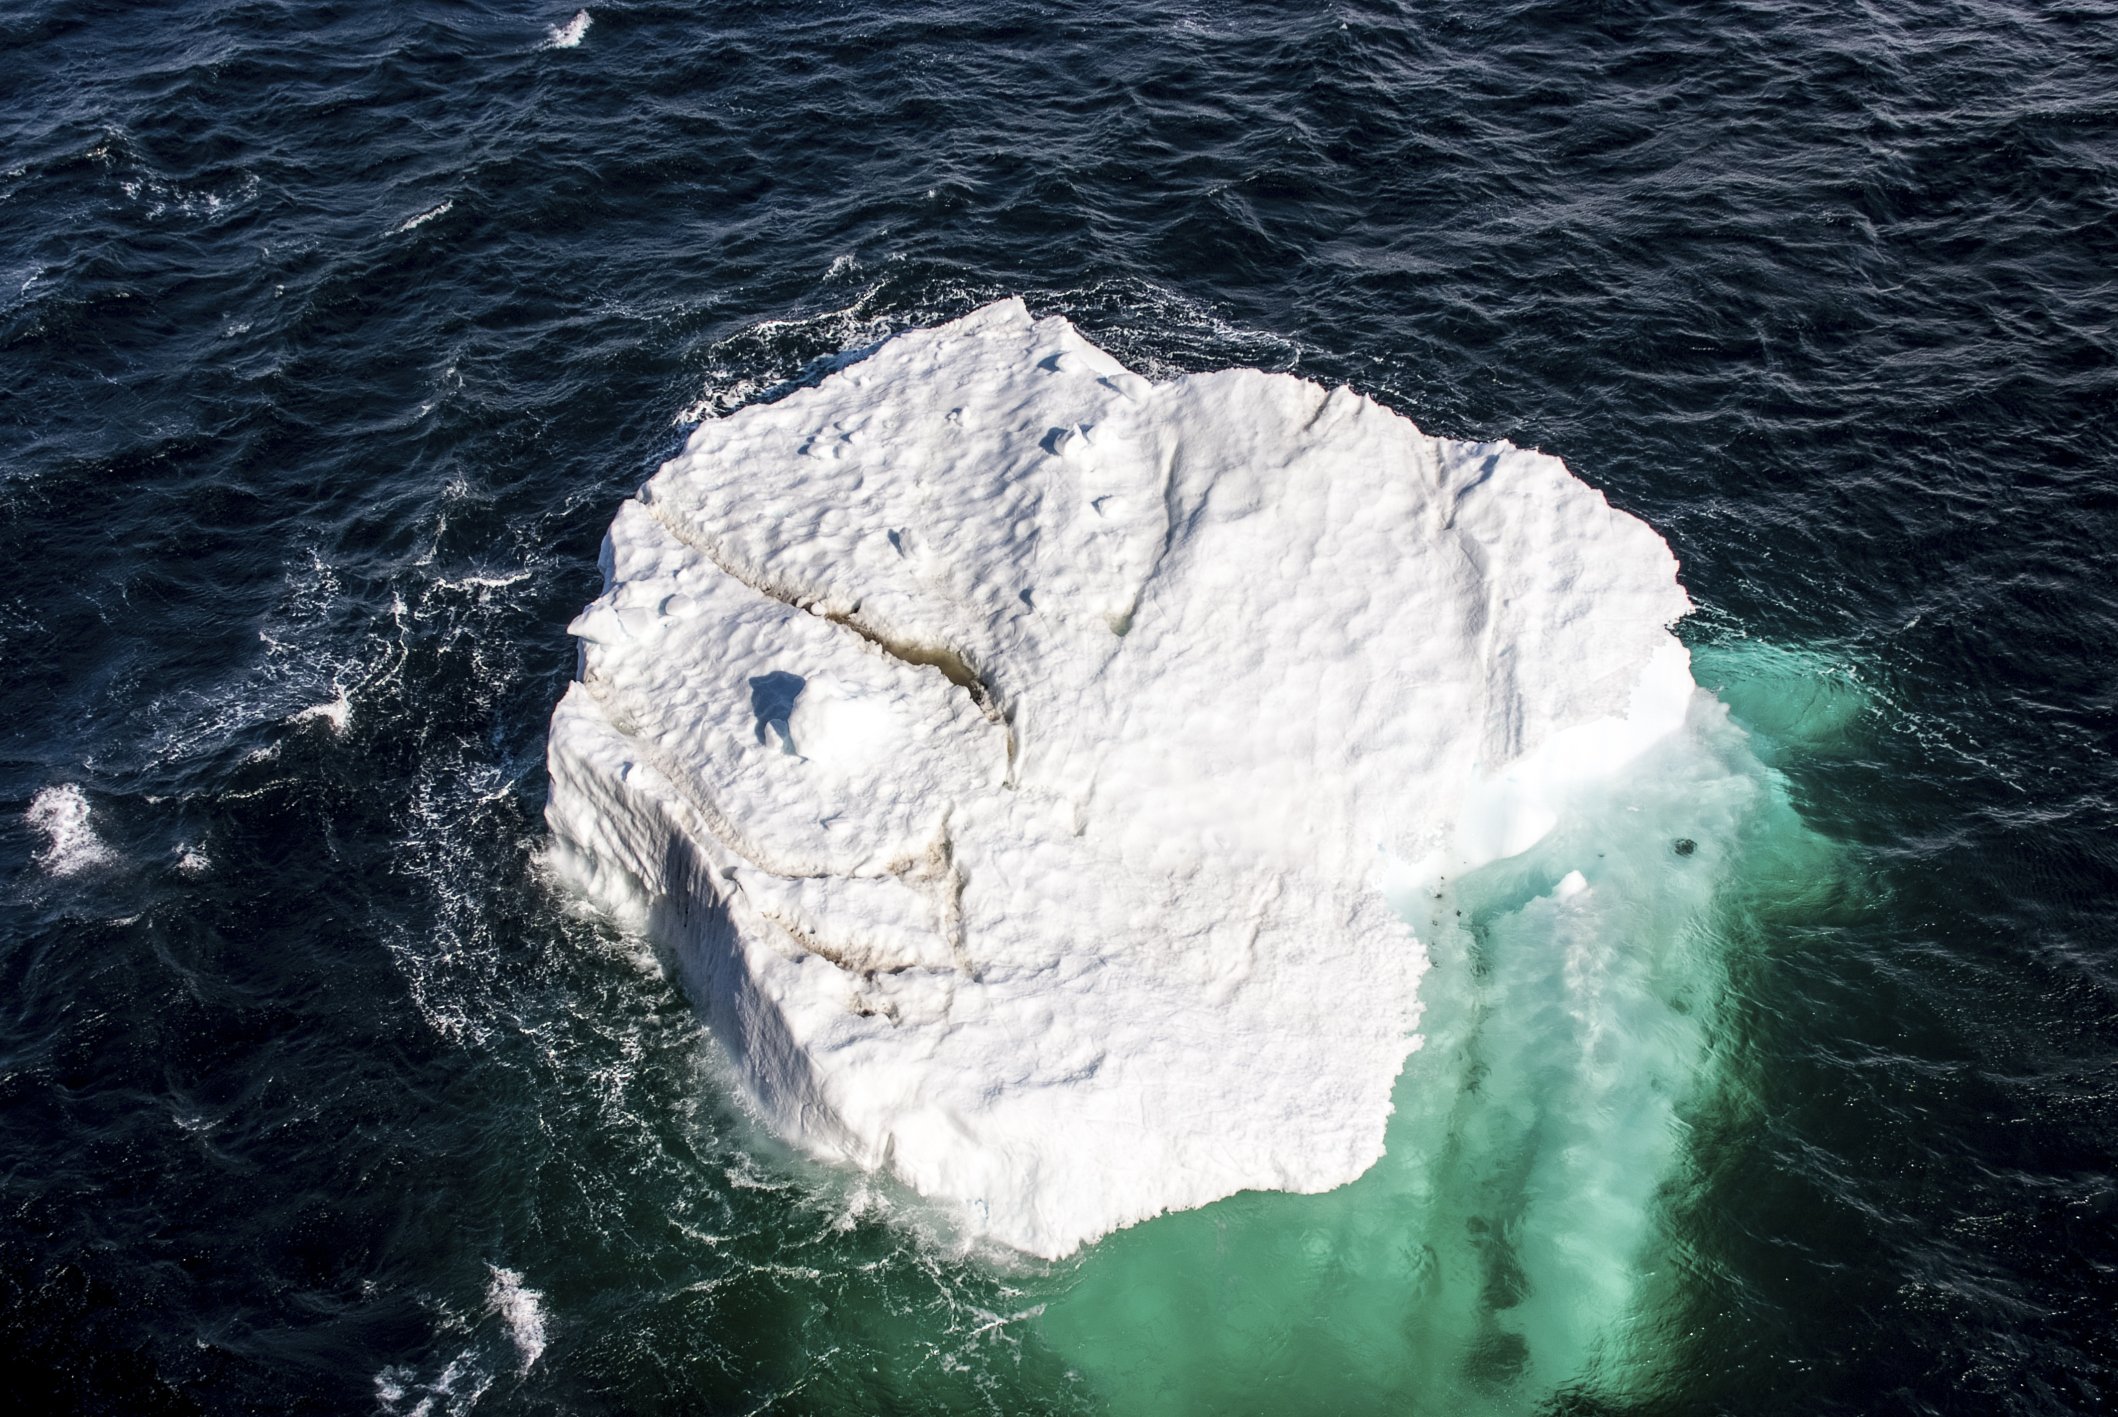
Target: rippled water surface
x,y
334,334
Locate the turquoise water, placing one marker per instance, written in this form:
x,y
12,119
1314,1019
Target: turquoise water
x,y
1521,1238
1534,1234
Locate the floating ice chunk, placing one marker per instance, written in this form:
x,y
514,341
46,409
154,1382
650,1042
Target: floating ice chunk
x,y
1012,752
570,34
71,845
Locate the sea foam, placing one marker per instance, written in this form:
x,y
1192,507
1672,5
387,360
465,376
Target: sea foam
x,y
71,845
570,34
521,1309
1021,759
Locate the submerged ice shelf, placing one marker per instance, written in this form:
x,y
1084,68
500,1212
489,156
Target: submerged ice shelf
x,y
1020,758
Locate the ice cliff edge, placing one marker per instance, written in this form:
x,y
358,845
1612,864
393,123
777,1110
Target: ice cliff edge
x,y
1012,750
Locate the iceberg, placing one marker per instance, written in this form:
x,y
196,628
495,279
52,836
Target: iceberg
x,y
1019,759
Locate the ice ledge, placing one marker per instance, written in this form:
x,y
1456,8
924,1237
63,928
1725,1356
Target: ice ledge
x,y
1010,750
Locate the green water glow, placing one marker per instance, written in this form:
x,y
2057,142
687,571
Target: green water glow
x,y
1538,1234
1517,1242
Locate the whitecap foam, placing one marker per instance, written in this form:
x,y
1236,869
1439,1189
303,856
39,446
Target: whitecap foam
x,y
334,713
455,1391
71,846
570,34
521,1309
413,223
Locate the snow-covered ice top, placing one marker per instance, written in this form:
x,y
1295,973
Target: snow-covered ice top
x,y
1013,752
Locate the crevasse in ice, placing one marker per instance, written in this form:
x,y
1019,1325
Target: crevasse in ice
x,y
1014,754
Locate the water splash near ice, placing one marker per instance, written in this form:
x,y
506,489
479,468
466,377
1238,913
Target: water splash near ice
x,y
71,845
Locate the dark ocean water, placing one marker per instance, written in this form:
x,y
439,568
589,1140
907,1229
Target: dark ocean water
x,y
333,334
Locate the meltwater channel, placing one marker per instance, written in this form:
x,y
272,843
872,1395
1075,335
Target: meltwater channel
x,y
334,336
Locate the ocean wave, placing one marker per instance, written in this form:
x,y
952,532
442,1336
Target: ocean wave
x,y
413,223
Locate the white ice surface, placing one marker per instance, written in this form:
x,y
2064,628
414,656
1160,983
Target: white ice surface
x,y
1013,753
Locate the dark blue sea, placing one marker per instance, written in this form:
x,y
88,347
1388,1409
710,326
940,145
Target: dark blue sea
x,y
332,335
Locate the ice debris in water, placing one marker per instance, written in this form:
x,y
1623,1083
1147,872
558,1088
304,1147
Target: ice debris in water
x,y
570,34
70,841
1014,755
